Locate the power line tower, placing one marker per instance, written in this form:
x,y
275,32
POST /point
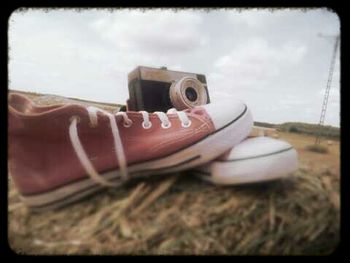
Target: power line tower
x,y
329,81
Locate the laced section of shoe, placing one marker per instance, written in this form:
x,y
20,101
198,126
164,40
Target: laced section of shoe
x,y
185,121
118,145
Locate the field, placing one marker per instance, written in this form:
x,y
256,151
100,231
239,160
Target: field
x,y
180,214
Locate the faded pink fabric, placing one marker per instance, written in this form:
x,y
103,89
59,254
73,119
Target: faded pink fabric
x,y
41,156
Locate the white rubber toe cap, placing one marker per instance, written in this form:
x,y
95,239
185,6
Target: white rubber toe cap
x,y
225,111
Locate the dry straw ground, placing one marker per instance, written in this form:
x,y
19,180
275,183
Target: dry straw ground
x,y
180,214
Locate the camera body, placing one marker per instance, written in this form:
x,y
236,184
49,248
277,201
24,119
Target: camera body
x,y
159,89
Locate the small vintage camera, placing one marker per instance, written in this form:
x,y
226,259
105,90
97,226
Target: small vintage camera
x,y
159,89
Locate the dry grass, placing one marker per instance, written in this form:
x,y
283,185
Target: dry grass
x,y
317,148
180,214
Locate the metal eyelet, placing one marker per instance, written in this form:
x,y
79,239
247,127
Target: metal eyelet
x,y
166,126
127,124
186,125
146,126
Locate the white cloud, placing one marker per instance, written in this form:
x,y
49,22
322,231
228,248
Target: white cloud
x,y
152,31
253,64
257,57
251,18
293,101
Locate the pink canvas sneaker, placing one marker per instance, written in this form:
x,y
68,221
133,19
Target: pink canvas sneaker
x,y
61,153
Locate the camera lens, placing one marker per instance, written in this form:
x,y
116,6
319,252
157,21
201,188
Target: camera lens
x,y
187,92
191,94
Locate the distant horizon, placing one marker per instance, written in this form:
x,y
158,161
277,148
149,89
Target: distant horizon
x,y
117,104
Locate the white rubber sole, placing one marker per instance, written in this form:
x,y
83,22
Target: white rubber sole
x,y
197,154
260,168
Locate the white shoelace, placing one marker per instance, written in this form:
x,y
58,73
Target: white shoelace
x,y
119,150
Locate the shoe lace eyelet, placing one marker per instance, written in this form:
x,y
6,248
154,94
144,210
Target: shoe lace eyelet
x,y
146,126
186,125
127,124
167,125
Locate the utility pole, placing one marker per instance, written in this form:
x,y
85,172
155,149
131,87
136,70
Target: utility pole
x,y
326,94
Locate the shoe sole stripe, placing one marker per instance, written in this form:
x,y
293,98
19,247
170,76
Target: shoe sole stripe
x,y
256,156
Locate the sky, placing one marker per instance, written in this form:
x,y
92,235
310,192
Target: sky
x,y
276,61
